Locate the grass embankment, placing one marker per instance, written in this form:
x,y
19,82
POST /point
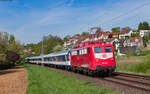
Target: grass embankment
x,y
134,64
45,81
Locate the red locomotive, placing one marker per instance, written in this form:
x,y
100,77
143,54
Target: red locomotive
x,y
93,58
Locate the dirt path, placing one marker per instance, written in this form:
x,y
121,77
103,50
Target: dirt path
x,y
13,81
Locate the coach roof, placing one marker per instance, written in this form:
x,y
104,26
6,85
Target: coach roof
x,y
58,53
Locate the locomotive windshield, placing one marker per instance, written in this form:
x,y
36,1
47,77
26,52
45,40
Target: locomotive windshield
x,y
108,49
98,49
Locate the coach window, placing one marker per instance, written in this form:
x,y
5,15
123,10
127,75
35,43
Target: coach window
x,y
98,50
44,59
64,58
108,49
68,57
80,52
53,58
85,51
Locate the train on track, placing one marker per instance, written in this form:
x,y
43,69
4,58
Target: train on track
x,y
92,58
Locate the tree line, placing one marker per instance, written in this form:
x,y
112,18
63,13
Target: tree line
x,y
10,50
50,44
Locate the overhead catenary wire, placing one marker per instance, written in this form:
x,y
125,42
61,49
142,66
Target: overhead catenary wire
x,y
126,13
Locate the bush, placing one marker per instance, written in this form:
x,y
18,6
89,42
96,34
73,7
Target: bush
x,y
140,67
147,52
140,51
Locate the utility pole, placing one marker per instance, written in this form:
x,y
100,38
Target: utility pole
x,y
94,28
42,53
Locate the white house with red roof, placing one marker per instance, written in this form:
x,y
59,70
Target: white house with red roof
x,y
125,34
144,32
71,42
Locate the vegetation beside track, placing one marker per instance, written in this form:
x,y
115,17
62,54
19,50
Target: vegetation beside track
x,y
45,81
138,64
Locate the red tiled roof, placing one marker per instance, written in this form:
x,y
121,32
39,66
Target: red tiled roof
x,y
110,39
124,31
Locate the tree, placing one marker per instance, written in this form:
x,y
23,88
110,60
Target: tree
x,y
84,33
127,28
135,33
58,48
140,51
12,57
10,49
66,38
11,39
77,34
99,30
140,26
146,26
143,26
115,29
145,40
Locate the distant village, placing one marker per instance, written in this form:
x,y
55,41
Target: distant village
x,y
123,41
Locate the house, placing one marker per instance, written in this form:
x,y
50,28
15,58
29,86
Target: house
x,y
125,34
113,35
133,41
129,45
72,41
144,32
106,35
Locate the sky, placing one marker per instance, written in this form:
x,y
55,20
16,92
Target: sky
x,y
30,20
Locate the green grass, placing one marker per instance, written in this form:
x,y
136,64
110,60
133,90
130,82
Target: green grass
x,y
139,68
45,81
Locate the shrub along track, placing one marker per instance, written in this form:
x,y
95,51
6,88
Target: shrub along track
x,y
122,82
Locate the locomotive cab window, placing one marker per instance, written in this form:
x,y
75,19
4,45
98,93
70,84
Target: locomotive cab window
x,y
74,53
108,49
98,49
85,51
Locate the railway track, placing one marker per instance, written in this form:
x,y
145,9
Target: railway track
x,y
138,82
131,80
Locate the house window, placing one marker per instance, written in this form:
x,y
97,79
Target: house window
x,y
110,36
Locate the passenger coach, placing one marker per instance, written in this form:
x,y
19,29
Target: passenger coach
x,y
60,58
